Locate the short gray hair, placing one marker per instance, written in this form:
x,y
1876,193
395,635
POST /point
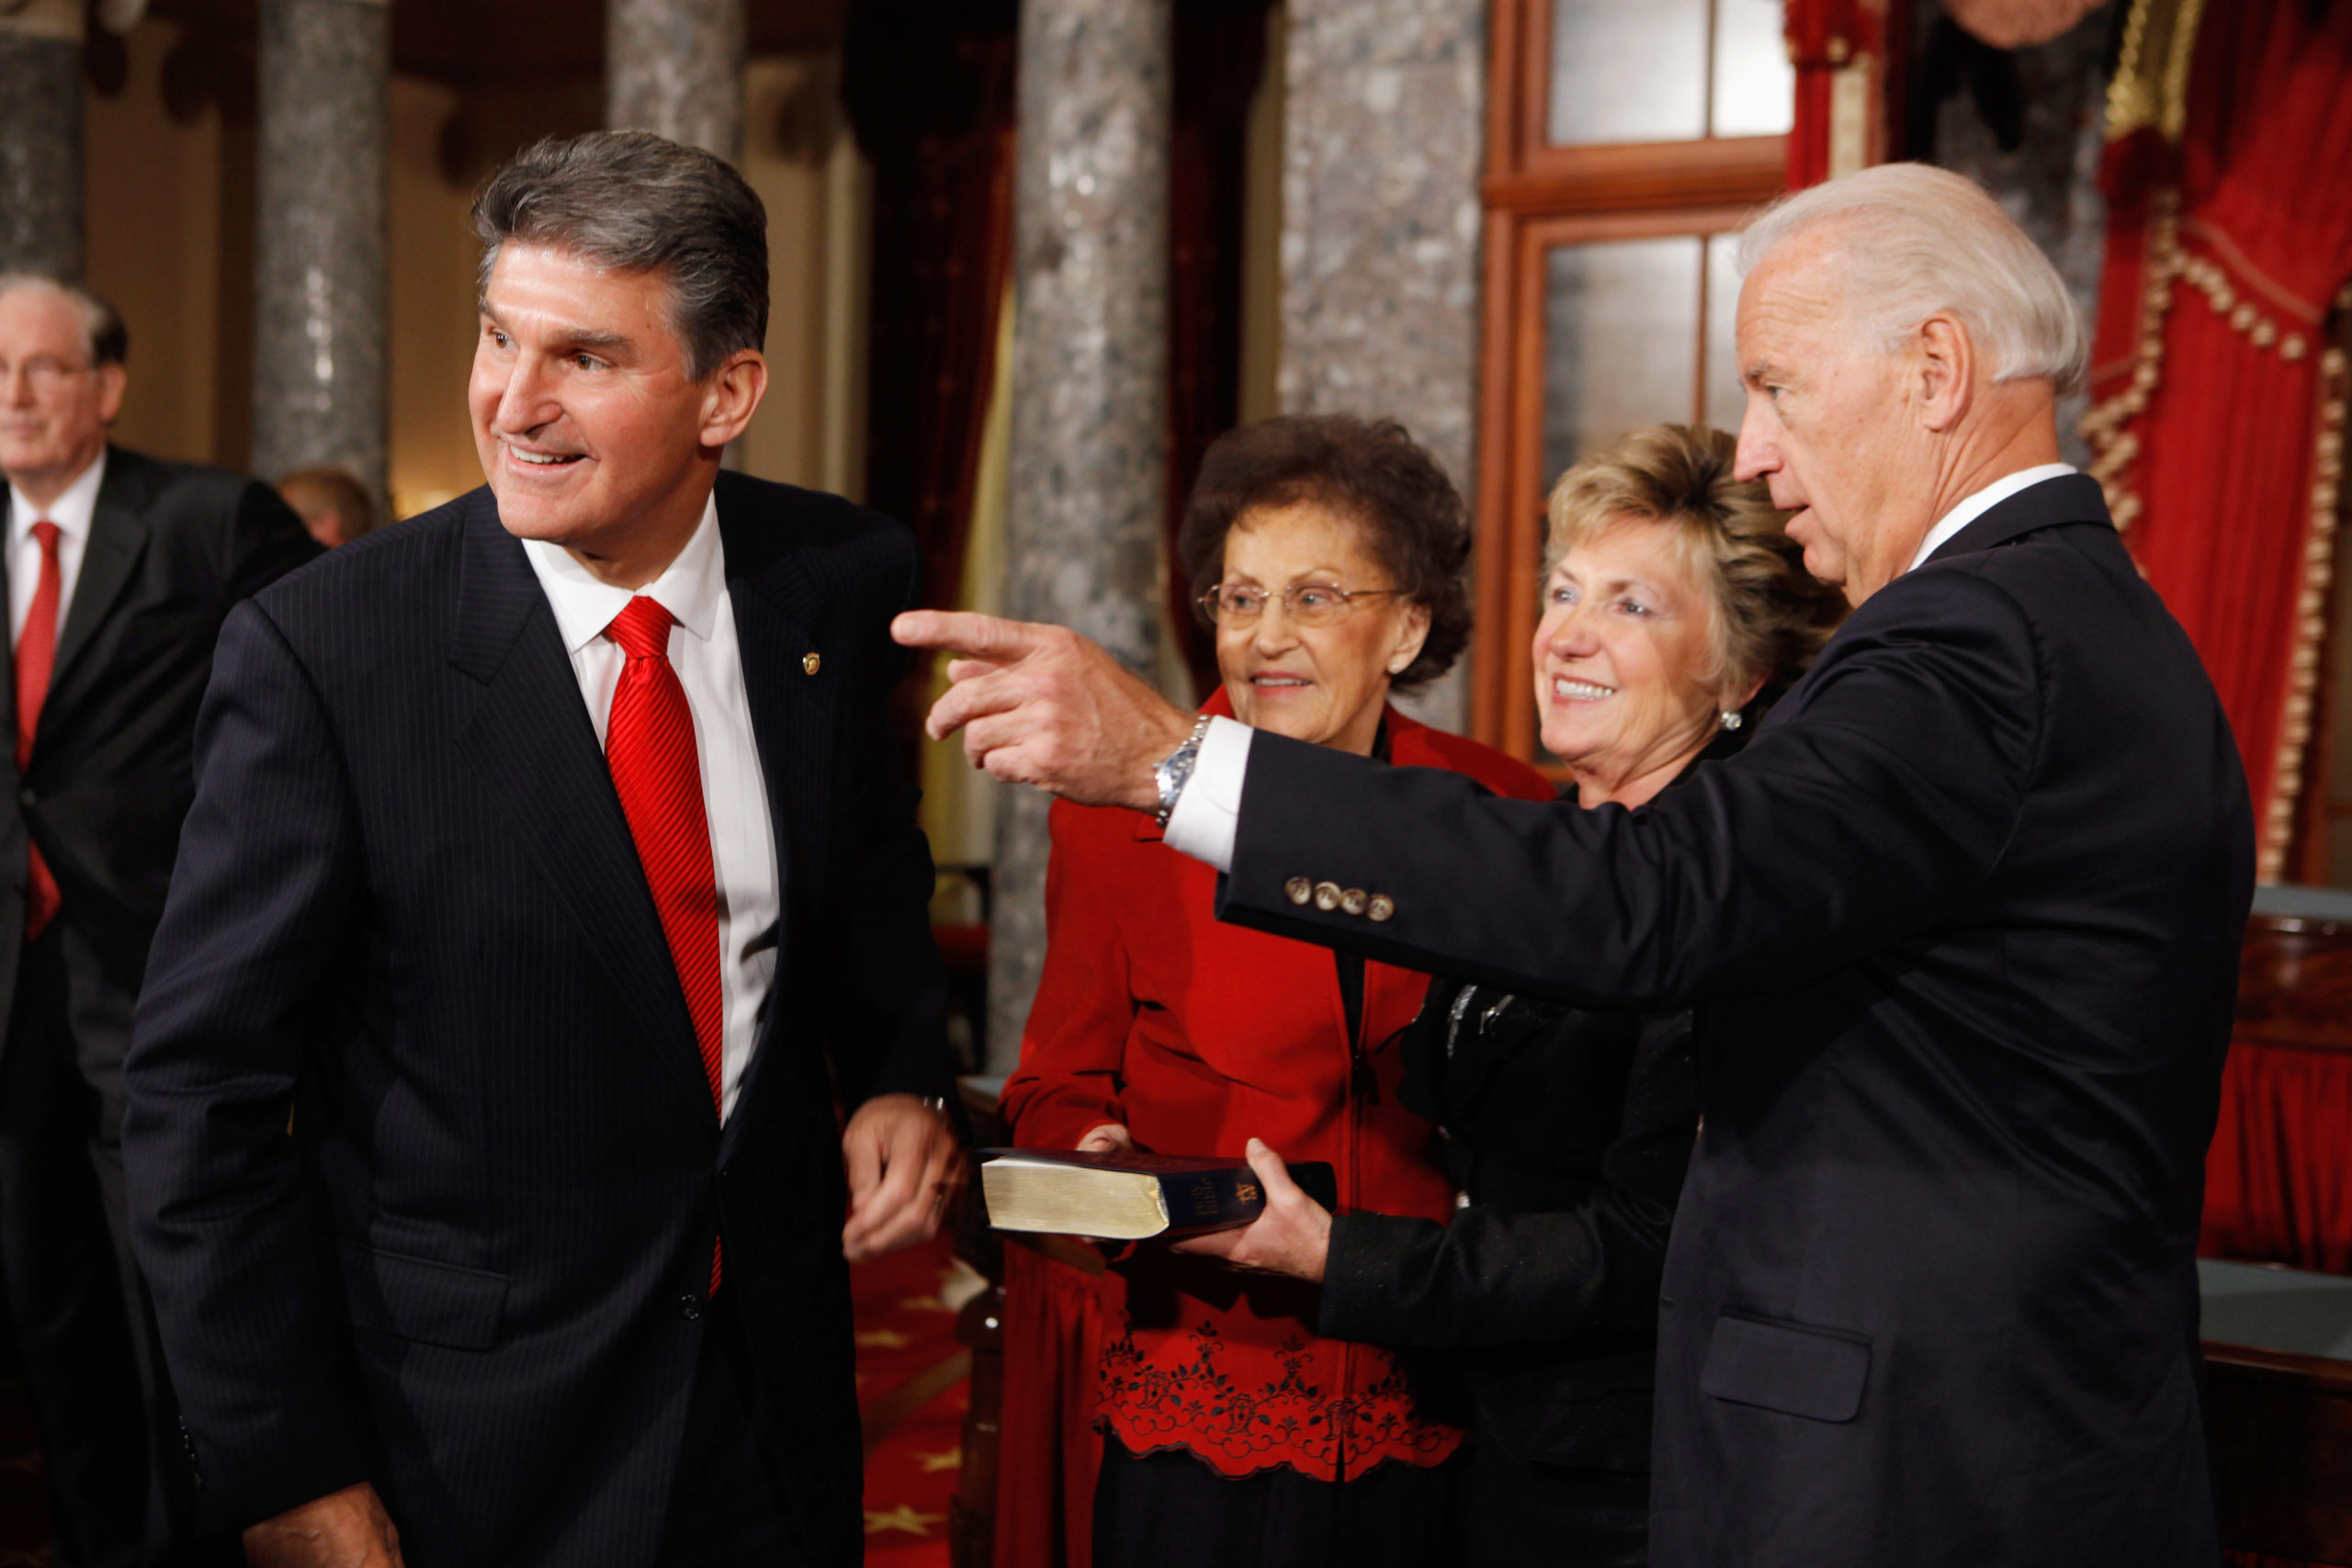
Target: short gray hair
x,y
108,338
637,202
1915,240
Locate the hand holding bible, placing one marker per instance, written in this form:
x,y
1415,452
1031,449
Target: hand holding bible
x,y
1293,1236
1040,705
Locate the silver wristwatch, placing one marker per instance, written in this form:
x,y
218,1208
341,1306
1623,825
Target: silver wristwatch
x,y
1175,769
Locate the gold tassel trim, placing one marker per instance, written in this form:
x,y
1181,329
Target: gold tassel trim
x,y
2311,620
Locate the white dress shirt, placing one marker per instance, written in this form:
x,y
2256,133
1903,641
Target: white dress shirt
x,y
1209,809
704,652
72,513
1983,501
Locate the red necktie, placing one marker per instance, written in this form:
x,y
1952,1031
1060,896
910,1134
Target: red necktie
x,y
35,653
649,747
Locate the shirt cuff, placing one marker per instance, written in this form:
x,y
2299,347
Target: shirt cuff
x,y
1208,809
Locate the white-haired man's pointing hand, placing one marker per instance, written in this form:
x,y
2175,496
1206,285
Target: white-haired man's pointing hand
x,y
1040,705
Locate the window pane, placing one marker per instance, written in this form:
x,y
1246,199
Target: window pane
x,y
1725,401
1620,345
1755,90
1629,69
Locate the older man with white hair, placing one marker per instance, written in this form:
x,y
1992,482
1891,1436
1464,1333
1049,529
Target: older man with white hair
x,y
120,569
1961,922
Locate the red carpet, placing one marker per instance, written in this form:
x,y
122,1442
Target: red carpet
x,y
911,1385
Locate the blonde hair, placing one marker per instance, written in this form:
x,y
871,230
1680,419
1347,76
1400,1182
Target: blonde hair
x,y
1770,617
1913,240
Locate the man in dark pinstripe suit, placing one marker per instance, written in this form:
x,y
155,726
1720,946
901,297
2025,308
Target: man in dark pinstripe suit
x,y
550,866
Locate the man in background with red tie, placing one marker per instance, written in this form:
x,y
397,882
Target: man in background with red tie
x,y
120,569
549,881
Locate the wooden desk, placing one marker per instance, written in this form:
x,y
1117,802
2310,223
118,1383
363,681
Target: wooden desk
x,y
2279,1408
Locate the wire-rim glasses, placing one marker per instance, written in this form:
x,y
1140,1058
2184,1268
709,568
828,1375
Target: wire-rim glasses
x,y
1304,604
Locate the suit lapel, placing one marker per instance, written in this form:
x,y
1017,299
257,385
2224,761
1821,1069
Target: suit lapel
x,y
118,538
779,610
530,739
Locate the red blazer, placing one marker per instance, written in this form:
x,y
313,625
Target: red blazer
x,y
1198,1036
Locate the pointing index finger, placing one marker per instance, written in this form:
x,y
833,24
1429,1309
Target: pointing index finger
x,y
991,637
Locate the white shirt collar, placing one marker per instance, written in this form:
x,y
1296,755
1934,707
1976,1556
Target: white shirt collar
x,y
689,587
1983,501
72,512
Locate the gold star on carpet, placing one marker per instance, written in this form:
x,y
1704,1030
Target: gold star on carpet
x,y
902,1518
883,1339
934,1463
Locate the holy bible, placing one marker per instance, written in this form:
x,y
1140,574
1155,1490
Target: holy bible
x,y
1130,1197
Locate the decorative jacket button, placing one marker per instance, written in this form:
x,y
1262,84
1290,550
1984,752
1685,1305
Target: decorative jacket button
x,y
811,664
1298,890
689,1308
1379,907
1352,901
1327,895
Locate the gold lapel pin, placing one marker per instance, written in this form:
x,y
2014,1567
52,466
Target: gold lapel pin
x,y
811,664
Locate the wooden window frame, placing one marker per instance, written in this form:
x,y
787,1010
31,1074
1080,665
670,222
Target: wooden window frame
x,y
1536,195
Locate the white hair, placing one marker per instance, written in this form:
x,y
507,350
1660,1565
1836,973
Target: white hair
x,y
1913,240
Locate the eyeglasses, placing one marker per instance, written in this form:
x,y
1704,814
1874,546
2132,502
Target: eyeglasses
x,y
1306,605
46,375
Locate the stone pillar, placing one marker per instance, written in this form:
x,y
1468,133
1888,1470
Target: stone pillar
x,y
676,67
1383,132
320,293
41,138
1090,393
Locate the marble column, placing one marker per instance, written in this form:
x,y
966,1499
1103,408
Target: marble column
x,y
320,292
1383,133
41,138
676,67
1089,391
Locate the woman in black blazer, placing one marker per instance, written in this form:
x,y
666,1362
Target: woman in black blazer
x,y
1676,609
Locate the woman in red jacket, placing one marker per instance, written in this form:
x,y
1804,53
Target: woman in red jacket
x,y
1328,554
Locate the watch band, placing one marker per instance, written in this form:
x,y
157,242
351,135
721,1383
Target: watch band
x,y
1175,770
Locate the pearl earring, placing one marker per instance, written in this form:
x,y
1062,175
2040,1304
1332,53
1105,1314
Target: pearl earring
x,y
1731,719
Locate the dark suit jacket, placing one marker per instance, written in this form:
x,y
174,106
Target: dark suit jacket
x,y
1962,922
473,1274
1568,1130
172,546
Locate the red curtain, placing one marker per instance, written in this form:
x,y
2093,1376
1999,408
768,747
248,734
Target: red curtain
x,y
929,86
1220,54
1848,99
2278,1175
1050,1452
2218,405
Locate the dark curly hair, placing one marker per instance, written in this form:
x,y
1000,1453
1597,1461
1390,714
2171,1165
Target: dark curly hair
x,y
1368,470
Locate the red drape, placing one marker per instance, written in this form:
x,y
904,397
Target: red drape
x,y
1050,1452
1848,101
2278,1175
1220,51
2218,405
929,86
